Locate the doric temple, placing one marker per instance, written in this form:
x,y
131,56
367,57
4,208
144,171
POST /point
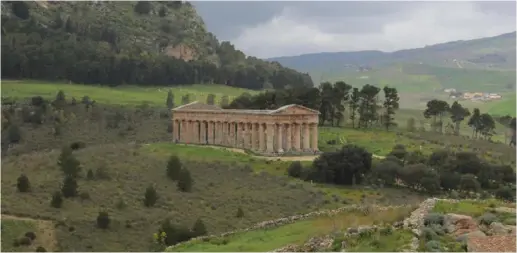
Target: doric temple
x,y
291,128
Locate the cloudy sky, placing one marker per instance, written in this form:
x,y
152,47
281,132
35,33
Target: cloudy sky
x,y
268,29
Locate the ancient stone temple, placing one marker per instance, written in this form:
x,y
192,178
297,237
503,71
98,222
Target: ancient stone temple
x,y
291,128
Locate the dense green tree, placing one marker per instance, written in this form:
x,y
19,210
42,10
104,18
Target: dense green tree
x,y
368,105
20,9
354,104
225,101
468,183
185,181
174,167
475,122
143,7
103,220
13,134
150,196
391,103
210,99
487,125
69,188
436,108
347,166
199,228
23,183
458,114
170,100
57,200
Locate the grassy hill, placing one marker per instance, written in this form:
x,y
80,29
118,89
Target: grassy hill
x,y
486,64
123,95
123,148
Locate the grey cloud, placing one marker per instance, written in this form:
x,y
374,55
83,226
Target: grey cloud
x,y
286,28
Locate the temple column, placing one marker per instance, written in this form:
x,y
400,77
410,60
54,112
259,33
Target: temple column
x,y
279,130
197,132
188,132
211,125
217,133
178,128
253,136
238,135
202,132
288,135
269,140
261,137
296,137
247,135
306,138
232,134
183,129
314,137
224,133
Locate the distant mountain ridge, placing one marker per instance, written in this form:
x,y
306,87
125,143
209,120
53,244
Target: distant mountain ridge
x,y
495,54
502,45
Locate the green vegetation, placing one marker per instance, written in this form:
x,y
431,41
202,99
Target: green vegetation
x,y
478,208
23,235
117,163
125,95
295,233
13,231
394,241
116,43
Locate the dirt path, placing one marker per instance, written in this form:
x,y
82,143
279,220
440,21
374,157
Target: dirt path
x,y
46,234
273,158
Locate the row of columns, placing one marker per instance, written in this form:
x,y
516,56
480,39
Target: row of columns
x,y
261,137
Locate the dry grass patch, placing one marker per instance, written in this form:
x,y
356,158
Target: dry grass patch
x,y
219,189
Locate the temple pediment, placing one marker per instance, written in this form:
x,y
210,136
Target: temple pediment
x,y
295,110
197,106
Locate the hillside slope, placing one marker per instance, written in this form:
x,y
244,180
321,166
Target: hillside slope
x,y
127,42
448,65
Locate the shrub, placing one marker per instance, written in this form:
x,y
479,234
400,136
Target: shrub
x,y
31,235
295,169
505,193
40,249
143,7
14,134
103,220
437,229
487,219
68,163
102,173
173,233
240,213
69,188
21,10
174,167
77,145
26,241
428,234
433,218
185,181
150,197
89,175
386,231
57,200
432,246
23,183
199,228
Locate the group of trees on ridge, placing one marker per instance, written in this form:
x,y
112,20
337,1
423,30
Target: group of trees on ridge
x,y
67,49
442,171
